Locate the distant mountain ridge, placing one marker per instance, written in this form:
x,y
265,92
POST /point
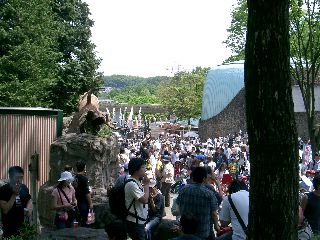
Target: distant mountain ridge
x,y
122,81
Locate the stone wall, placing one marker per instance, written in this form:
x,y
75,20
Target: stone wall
x,y
230,120
233,118
99,155
302,124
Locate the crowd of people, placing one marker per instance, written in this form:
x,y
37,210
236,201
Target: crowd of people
x,y
210,179
201,173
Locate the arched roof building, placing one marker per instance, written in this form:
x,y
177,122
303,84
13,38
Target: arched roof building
x,y
223,103
223,83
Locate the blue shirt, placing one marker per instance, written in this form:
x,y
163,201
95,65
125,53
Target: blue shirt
x,y
196,200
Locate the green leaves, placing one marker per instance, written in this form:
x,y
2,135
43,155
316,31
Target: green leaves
x,y
183,94
26,59
237,31
46,56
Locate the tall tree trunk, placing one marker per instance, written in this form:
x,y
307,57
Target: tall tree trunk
x,y
270,121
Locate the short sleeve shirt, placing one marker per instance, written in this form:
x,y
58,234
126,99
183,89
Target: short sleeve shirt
x,y
133,191
241,202
196,200
13,220
82,188
159,204
68,191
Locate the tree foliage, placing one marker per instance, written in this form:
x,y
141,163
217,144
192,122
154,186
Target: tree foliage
x,y
183,94
121,81
132,89
46,57
139,94
305,57
27,62
237,31
77,63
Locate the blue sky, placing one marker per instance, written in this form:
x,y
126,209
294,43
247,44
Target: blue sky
x,y
159,37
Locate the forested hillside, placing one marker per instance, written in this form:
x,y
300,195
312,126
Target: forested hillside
x,y
121,81
181,94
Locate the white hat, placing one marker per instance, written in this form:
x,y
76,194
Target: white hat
x,y
65,176
152,183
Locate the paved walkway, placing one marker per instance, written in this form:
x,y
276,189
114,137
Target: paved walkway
x,y
168,209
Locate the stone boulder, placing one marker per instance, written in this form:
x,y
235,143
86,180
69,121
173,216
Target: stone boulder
x,y
100,157
45,213
99,154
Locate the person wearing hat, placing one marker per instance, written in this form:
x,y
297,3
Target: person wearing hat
x,y
156,209
167,179
64,201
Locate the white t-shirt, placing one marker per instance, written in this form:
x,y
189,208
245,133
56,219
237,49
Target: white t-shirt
x,y
241,201
168,173
175,157
243,161
134,190
213,165
153,162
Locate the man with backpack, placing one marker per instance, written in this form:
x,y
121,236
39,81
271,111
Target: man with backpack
x,y
136,199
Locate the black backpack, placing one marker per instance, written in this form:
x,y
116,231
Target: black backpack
x,y
117,201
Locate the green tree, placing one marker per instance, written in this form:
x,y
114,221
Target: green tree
x,y
27,61
270,121
305,58
139,94
183,94
46,57
237,31
78,64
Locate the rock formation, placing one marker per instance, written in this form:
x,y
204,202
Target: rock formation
x,y
99,155
88,119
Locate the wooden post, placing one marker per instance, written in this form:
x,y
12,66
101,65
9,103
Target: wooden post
x,y
34,172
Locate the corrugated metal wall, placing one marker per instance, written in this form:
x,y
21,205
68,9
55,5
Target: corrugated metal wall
x,y
20,137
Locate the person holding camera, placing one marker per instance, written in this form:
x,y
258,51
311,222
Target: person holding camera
x,y
15,202
137,198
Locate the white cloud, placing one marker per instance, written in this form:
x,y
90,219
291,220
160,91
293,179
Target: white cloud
x,y
144,37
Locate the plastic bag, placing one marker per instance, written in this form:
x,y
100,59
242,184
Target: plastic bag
x,y
91,217
63,216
